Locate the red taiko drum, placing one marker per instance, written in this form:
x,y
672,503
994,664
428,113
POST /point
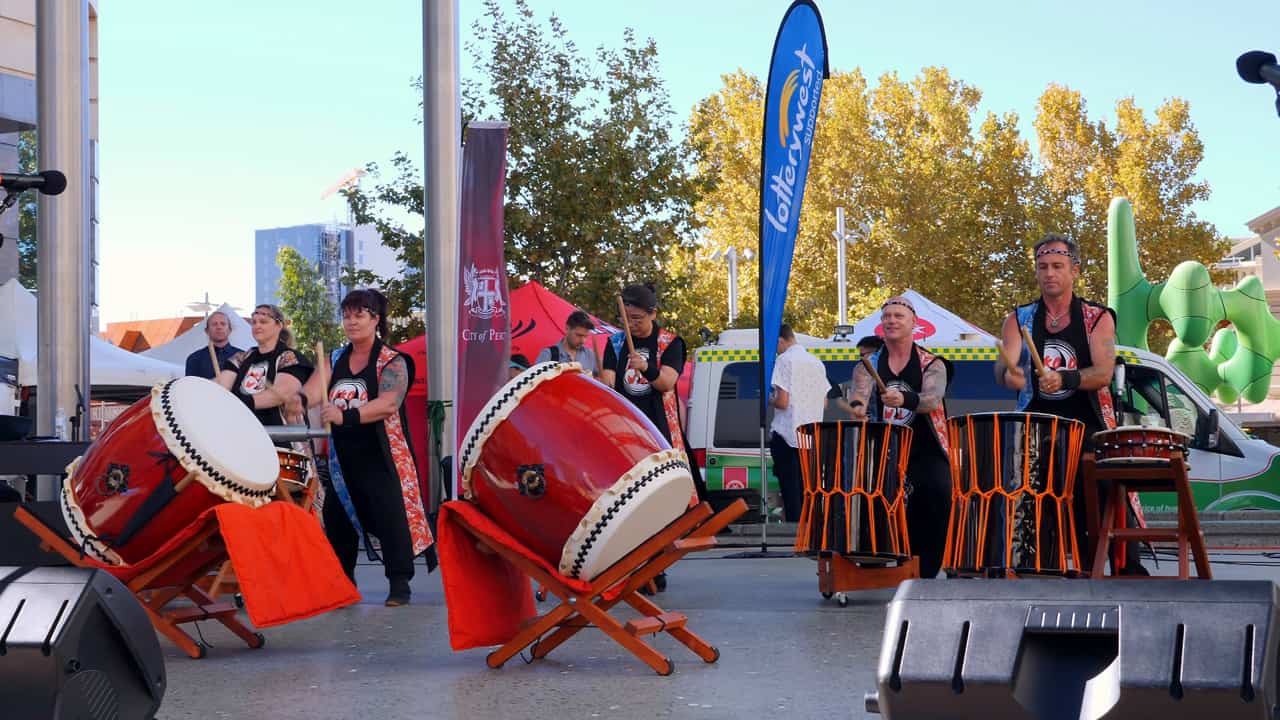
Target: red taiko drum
x,y
572,469
160,464
1138,444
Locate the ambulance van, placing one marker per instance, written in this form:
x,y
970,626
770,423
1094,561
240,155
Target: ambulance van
x,y
1230,470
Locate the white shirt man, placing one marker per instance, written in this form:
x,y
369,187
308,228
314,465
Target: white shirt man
x,y
798,396
800,378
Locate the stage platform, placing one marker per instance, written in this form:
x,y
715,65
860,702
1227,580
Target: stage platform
x,y
785,652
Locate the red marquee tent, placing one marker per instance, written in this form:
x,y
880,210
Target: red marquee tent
x,y
537,321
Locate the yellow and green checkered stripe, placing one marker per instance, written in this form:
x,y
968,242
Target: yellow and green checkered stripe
x,y
969,352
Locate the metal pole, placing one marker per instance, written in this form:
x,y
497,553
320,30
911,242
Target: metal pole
x,y
62,235
841,290
442,136
731,258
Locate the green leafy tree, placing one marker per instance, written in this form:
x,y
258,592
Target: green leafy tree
x,y
597,194
306,303
953,200
27,212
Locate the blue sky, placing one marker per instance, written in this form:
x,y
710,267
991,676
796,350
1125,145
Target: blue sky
x,y
216,120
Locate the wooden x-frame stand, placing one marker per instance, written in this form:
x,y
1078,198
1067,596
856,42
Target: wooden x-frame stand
x,y
169,578
693,531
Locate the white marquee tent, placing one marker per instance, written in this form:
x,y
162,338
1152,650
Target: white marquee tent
x,y
108,364
176,350
936,326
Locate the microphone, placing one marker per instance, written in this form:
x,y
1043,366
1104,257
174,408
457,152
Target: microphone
x,y
49,182
1259,68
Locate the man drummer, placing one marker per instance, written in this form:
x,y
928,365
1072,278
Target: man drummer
x,y
915,385
1076,340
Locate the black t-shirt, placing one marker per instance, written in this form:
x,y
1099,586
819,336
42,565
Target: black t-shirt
x,y
637,389
356,444
256,371
1066,349
924,440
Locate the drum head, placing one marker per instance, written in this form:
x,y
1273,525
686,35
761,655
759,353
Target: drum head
x,y
642,502
216,437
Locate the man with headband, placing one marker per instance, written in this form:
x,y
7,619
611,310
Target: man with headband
x,y
1076,340
916,383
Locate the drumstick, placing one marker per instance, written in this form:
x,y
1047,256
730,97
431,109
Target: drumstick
x,y
213,355
874,375
1031,348
322,367
622,307
1004,355
184,482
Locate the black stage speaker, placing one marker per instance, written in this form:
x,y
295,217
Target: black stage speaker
x,y
20,546
75,644
1054,649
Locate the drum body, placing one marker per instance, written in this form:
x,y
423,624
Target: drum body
x,y
293,466
572,469
126,496
1139,444
1012,479
854,499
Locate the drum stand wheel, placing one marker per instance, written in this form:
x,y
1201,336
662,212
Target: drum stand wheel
x,y
842,600
671,667
201,651
261,641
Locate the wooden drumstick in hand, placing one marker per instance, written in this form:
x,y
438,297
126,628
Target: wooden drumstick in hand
x,y
1031,348
874,375
622,309
213,355
1009,362
322,367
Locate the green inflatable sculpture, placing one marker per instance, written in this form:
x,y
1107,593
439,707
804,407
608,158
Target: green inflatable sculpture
x,y
1239,360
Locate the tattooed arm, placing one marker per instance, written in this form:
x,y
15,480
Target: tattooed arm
x,y
227,374
1102,348
932,388
392,387
860,391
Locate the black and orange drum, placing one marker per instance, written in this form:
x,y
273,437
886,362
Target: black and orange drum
x,y
1012,479
572,469
190,446
1139,444
854,477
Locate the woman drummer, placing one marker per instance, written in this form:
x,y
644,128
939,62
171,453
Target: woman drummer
x,y
373,484
268,377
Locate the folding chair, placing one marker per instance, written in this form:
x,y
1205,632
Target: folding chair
x,y
578,609
170,573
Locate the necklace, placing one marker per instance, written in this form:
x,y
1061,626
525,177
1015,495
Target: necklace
x,y
1054,319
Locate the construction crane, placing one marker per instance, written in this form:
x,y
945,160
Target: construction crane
x,y
351,178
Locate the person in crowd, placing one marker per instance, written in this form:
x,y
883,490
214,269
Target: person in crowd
x,y
218,329
573,346
518,364
372,487
1076,340
648,377
916,385
797,393
268,378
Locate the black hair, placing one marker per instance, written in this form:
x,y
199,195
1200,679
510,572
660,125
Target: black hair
x,y
641,296
371,301
580,319
785,332
873,341
520,360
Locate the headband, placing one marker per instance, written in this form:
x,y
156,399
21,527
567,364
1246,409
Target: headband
x,y
899,301
1056,251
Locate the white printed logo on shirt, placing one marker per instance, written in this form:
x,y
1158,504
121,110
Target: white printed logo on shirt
x,y
633,381
898,415
255,380
1059,356
349,394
